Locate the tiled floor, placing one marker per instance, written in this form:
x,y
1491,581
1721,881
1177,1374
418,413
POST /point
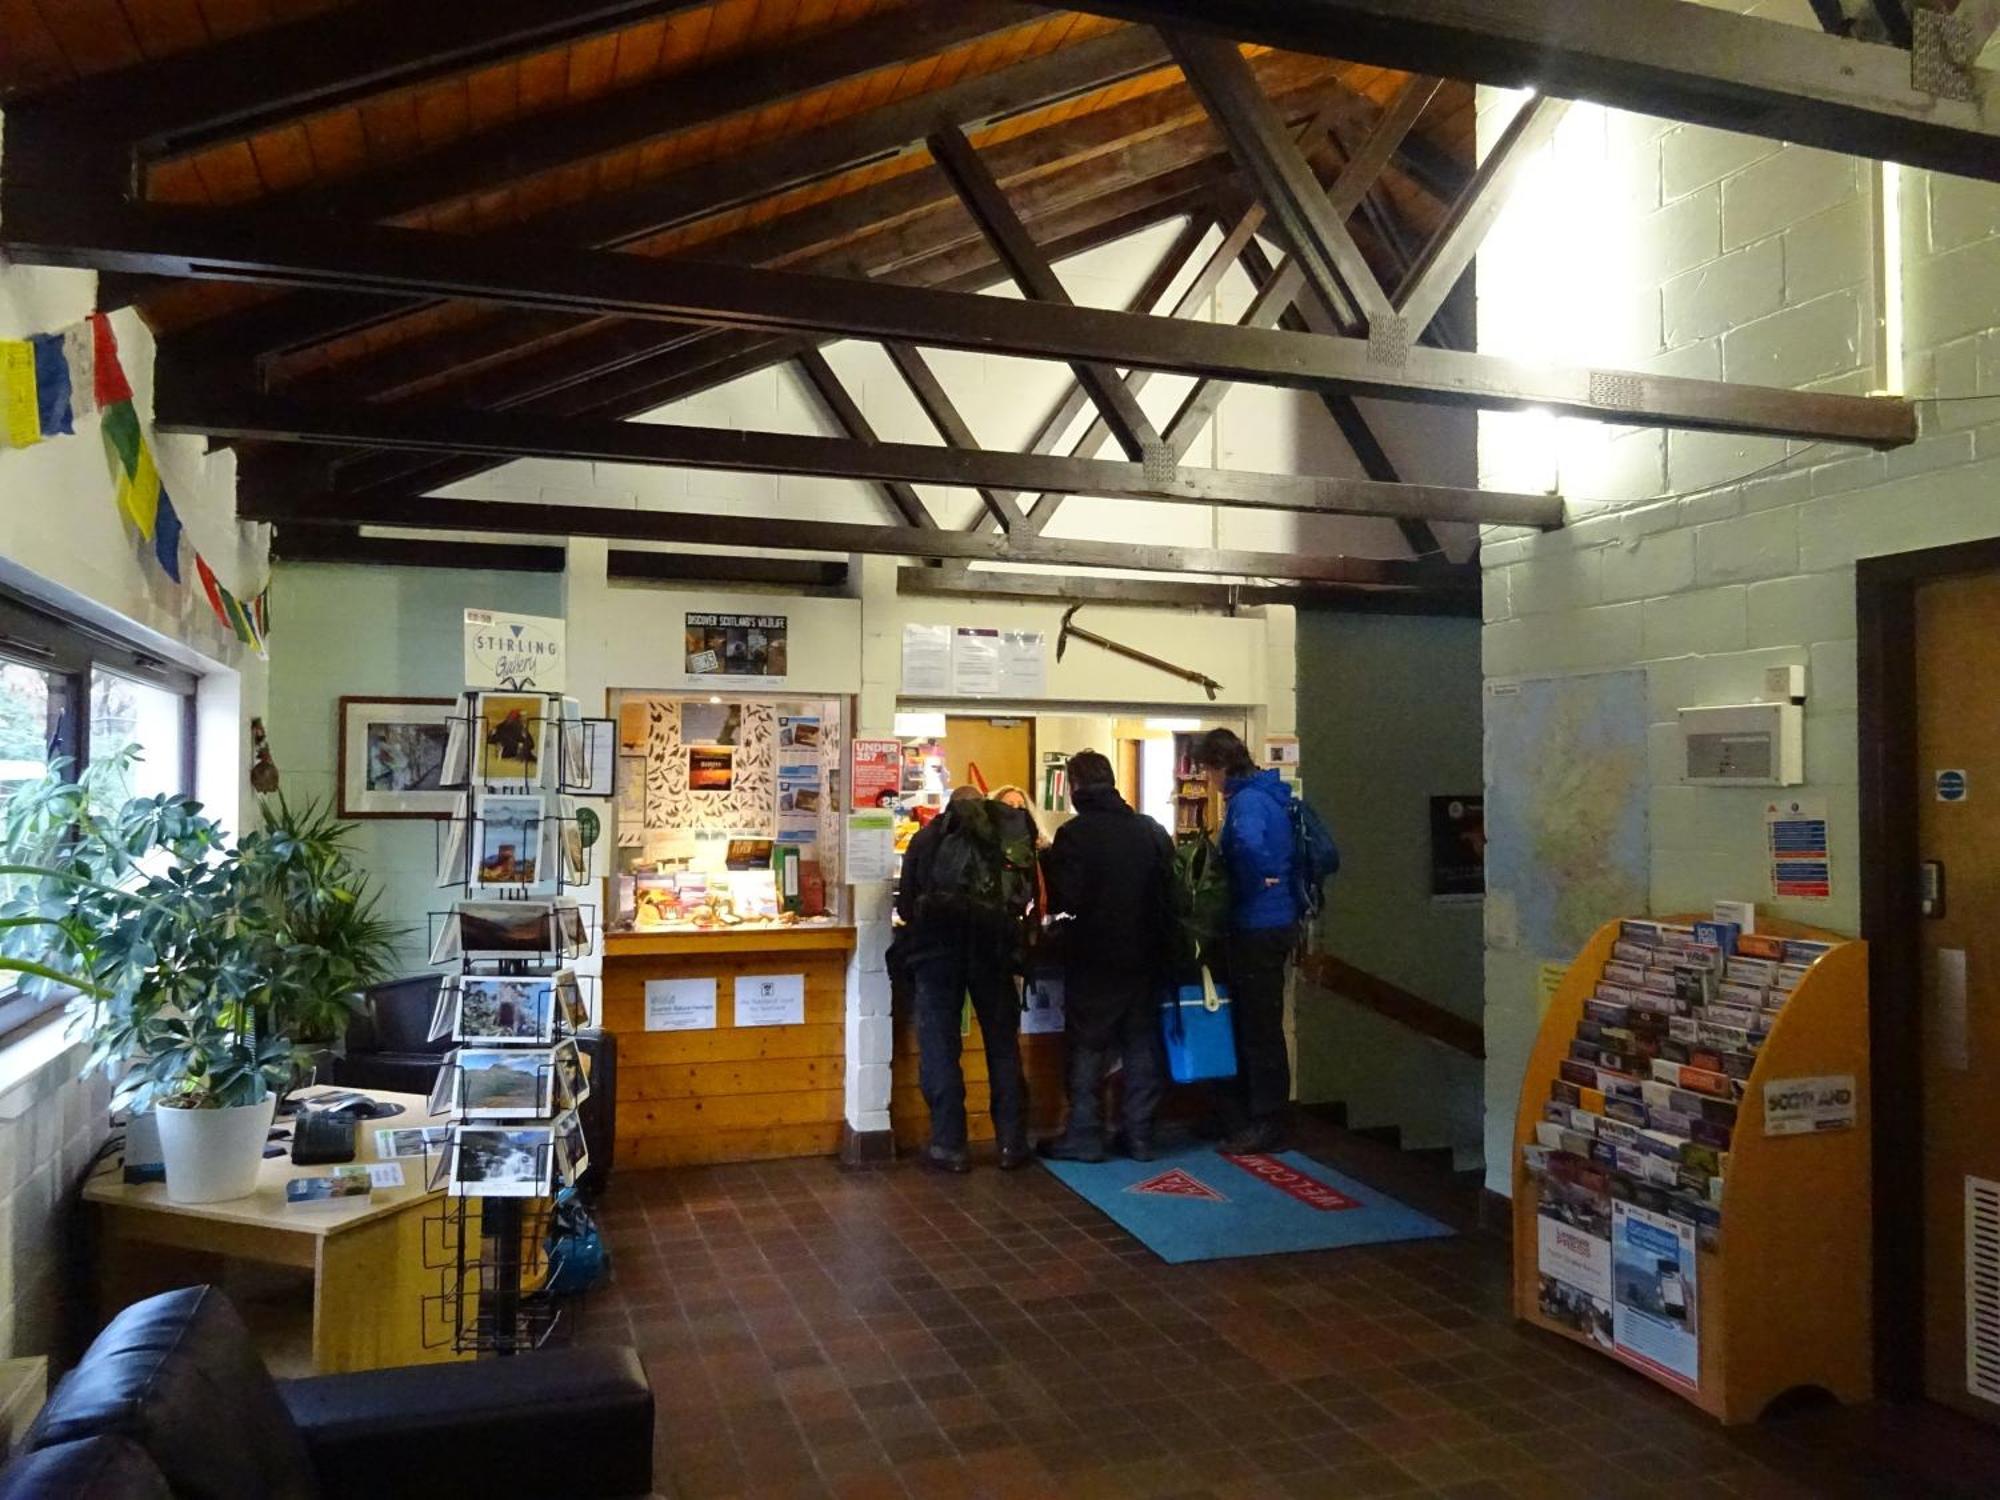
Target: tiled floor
x,y
812,1332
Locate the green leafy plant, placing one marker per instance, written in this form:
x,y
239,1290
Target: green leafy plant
x,y
199,965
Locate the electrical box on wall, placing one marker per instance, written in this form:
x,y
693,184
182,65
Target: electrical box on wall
x,y
1749,744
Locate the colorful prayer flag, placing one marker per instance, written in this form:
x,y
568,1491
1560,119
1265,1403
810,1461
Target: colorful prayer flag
x,y
121,439
167,538
210,587
139,495
260,611
80,354
52,402
107,374
20,417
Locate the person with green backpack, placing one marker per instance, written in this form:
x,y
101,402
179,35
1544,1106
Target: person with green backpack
x,y
968,882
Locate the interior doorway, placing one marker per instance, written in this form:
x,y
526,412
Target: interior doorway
x,y
1929,687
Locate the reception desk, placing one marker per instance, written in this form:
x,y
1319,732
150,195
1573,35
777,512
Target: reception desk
x,y
728,1093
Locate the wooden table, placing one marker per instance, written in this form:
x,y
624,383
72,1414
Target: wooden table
x,y
366,1255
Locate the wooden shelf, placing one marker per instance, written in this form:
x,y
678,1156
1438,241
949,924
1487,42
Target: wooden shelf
x,y
1784,1300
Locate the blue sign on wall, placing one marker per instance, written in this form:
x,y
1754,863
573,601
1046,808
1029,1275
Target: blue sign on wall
x,y
1951,786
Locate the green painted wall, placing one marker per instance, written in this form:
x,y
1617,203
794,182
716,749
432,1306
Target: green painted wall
x,y
376,632
1389,716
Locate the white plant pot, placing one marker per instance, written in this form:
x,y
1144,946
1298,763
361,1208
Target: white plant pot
x,y
214,1154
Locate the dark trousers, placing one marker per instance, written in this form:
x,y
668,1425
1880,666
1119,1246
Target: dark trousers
x,y
942,983
1131,1034
1255,973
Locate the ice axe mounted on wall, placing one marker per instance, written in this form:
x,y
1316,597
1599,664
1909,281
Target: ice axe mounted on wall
x,y
1131,653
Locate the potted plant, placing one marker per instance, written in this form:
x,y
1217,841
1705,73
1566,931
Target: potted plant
x,y
200,960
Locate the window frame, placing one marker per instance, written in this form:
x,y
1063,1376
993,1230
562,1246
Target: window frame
x,y
35,636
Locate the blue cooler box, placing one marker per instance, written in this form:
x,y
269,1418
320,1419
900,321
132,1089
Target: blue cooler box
x,y
1199,1032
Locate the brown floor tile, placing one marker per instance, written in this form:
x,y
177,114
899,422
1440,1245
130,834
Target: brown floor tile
x,y
890,1335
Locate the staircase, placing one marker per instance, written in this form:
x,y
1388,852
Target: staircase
x,y
1397,1067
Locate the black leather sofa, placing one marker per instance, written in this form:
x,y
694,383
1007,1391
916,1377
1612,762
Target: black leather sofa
x,y
389,1050
171,1402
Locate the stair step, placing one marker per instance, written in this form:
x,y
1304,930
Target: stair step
x,y
1388,1135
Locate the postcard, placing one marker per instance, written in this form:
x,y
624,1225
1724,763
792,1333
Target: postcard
x,y
572,1154
505,1008
346,1182
497,1161
504,1085
505,929
512,828
572,1078
569,999
451,836
411,1141
511,729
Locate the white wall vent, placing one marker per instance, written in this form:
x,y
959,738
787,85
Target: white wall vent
x,y
1982,1288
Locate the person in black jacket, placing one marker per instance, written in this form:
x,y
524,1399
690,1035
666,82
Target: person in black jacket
x,y
953,953
1111,891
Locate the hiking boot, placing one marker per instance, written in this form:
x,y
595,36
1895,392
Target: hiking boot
x,y
1253,1140
1063,1148
1013,1158
942,1159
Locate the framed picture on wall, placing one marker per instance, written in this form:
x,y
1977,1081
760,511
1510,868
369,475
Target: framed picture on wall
x,y
392,757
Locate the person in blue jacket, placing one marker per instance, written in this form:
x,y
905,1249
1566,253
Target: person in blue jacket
x,y
1264,917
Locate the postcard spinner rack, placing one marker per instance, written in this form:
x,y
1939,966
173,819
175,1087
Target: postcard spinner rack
x,y
512,754
1783,1285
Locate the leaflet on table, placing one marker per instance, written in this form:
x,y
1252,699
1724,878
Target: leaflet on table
x,y
1656,1316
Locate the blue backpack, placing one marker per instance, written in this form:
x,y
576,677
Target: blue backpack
x,y
1315,858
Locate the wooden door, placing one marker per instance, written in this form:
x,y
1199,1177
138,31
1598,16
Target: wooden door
x,y
1002,749
1958,823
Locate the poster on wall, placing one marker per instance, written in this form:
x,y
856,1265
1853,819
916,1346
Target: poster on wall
x,y
1024,664
770,999
736,646
1656,1317
519,652
975,662
801,797
871,846
1458,848
711,768
1801,863
878,771
680,1005
926,661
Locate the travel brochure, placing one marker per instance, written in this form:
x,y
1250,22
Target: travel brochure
x,y
1631,1153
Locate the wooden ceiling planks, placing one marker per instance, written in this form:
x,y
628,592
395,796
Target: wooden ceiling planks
x,y
400,125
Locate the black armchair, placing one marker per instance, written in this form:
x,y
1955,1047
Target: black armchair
x,y
172,1403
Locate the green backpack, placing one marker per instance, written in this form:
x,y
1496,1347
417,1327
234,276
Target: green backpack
x,y
1201,887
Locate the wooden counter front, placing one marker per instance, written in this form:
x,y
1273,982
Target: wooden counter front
x,y
734,1093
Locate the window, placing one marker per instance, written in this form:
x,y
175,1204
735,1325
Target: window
x,y
71,692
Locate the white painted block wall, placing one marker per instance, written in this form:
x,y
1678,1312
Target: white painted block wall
x,y
1643,244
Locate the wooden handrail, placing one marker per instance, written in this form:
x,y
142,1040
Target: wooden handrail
x,y
1372,992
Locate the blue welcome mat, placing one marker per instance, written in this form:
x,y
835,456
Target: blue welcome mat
x,y
1198,1204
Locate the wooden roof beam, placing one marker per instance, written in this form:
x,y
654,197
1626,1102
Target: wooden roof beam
x,y
53,229
190,403
519,518
1684,62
